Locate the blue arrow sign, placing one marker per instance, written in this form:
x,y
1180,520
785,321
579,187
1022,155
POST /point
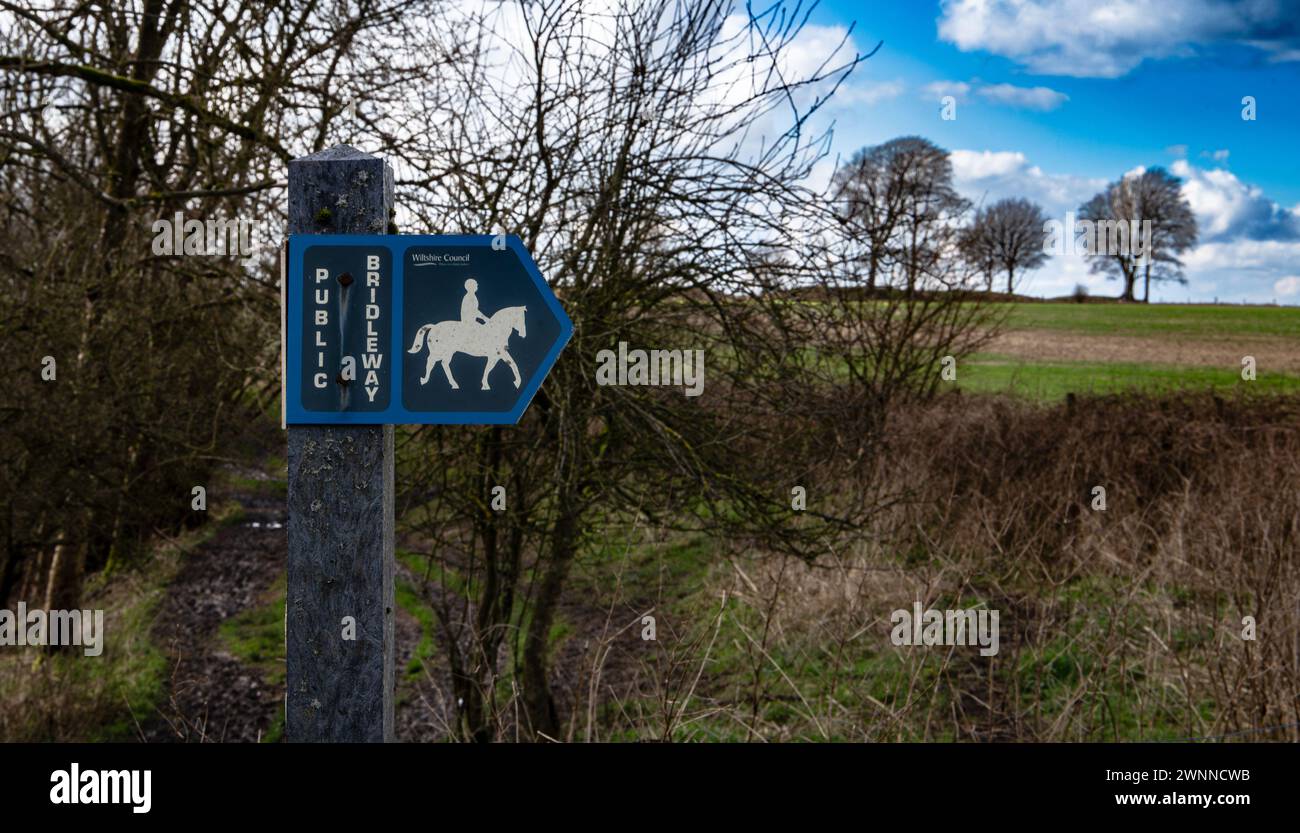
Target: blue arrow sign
x,y
437,329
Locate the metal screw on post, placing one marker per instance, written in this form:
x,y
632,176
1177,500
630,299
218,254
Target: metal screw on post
x,y
340,505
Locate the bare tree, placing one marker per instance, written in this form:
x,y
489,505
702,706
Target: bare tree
x,y
117,116
977,249
1173,227
898,207
1122,213
929,230
651,156
886,343
867,195
1008,233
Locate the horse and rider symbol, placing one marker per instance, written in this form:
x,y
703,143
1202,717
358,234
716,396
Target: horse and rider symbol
x,y
488,339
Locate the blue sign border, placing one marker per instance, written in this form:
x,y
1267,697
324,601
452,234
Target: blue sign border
x,y
396,414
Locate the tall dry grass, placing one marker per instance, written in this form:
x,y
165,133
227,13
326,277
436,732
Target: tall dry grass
x,y
1120,624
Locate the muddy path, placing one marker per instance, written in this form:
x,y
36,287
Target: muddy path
x,y
210,695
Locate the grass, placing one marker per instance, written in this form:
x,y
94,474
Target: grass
x,y
809,689
679,560
1198,320
410,600
134,679
134,674
256,636
67,696
269,480
1051,381
796,673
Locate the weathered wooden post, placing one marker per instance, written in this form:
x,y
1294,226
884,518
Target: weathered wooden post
x,y
340,506
368,318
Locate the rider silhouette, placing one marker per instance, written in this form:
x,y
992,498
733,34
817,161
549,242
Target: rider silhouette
x,y
469,312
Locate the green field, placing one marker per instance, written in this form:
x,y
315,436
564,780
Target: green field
x,y
1201,320
1050,381
1139,333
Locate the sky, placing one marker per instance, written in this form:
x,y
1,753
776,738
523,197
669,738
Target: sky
x,y
1055,98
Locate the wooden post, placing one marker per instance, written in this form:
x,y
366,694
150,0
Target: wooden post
x,y
340,506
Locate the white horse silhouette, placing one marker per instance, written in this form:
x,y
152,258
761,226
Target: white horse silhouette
x,y
489,340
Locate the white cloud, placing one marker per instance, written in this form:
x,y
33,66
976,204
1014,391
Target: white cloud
x,y
1290,285
1277,256
746,69
982,164
1030,98
1244,270
1090,39
939,89
987,176
1247,270
869,93
1277,53
814,48
1228,208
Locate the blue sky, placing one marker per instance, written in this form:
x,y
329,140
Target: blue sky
x,y
1057,97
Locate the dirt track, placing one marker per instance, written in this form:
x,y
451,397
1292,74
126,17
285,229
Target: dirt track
x,y
1274,354
212,695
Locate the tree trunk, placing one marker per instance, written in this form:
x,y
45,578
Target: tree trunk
x,y
63,589
9,573
501,559
134,125
1011,280
539,705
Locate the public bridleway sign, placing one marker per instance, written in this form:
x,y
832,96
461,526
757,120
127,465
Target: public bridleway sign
x,y
405,329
